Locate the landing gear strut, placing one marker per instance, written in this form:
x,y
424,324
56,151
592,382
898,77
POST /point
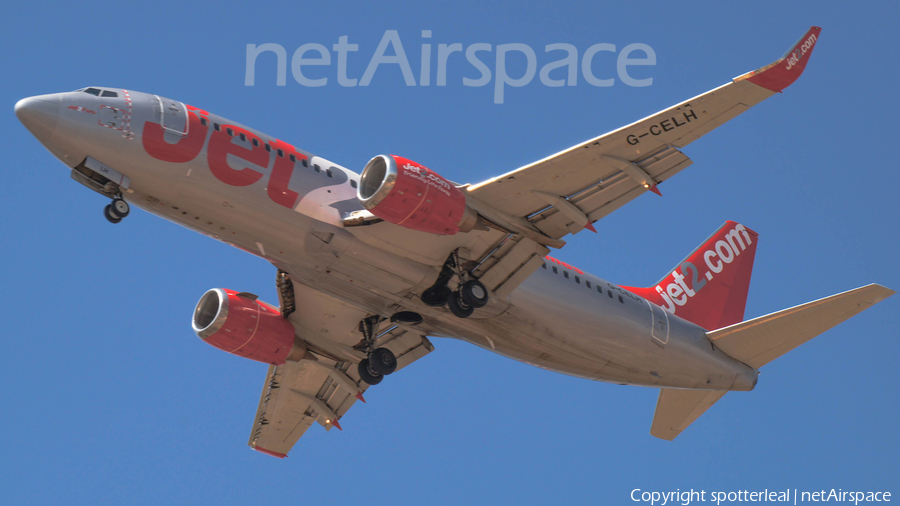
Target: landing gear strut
x,y
116,210
470,296
379,362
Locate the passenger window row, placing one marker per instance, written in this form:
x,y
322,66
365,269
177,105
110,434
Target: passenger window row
x,y
577,279
328,172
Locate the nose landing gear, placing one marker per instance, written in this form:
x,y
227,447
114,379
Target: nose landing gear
x,y
116,210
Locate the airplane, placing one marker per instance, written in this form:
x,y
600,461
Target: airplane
x,y
369,264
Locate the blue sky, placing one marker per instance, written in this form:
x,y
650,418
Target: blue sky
x,y
109,397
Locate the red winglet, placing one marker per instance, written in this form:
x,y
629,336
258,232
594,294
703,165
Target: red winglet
x,y
655,190
269,452
360,397
785,71
336,424
590,226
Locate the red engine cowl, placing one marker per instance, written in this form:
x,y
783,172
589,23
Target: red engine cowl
x,y
246,327
407,194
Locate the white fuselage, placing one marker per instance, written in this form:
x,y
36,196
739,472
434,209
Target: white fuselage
x,y
551,320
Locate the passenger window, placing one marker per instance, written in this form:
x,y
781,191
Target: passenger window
x,y
293,158
243,137
328,172
256,142
230,132
316,166
621,300
304,162
609,293
555,271
599,290
588,283
93,91
268,148
566,274
203,121
217,127
281,153
109,94
577,280
353,184
542,265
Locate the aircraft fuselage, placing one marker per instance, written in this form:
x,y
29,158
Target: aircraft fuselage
x,y
283,204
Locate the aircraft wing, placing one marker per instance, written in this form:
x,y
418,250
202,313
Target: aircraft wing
x,y
570,190
296,395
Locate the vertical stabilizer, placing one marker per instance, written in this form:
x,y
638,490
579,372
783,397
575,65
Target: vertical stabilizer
x,y
710,286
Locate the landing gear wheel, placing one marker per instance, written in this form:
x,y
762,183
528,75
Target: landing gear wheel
x,y
111,214
436,297
367,374
459,308
473,293
383,361
120,208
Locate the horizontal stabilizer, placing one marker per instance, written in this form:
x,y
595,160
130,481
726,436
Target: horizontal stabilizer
x,y
757,342
761,340
676,409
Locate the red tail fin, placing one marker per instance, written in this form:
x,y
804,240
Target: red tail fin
x,y
710,286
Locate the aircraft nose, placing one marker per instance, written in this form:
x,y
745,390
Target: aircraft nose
x,y
39,114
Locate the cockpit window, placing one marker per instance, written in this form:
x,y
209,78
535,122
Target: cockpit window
x,y
109,94
92,91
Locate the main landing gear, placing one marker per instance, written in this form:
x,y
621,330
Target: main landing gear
x,y
470,295
379,362
116,210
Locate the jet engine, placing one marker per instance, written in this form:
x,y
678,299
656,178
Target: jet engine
x,y
246,327
407,194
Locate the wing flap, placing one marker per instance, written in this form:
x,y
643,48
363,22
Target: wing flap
x,y
606,195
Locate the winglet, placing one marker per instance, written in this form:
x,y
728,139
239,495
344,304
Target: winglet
x,y
781,74
360,397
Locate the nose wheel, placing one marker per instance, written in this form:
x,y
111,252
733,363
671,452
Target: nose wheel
x,y
116,210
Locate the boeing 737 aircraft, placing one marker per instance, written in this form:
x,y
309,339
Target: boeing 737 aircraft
x,y
368,265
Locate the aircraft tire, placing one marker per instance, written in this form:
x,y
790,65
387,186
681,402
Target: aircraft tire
x,y
366,374
383,361
110,214
120,208
474,293
458,307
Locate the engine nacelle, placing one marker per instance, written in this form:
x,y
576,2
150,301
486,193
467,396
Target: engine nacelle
x,y
407,194
246,327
